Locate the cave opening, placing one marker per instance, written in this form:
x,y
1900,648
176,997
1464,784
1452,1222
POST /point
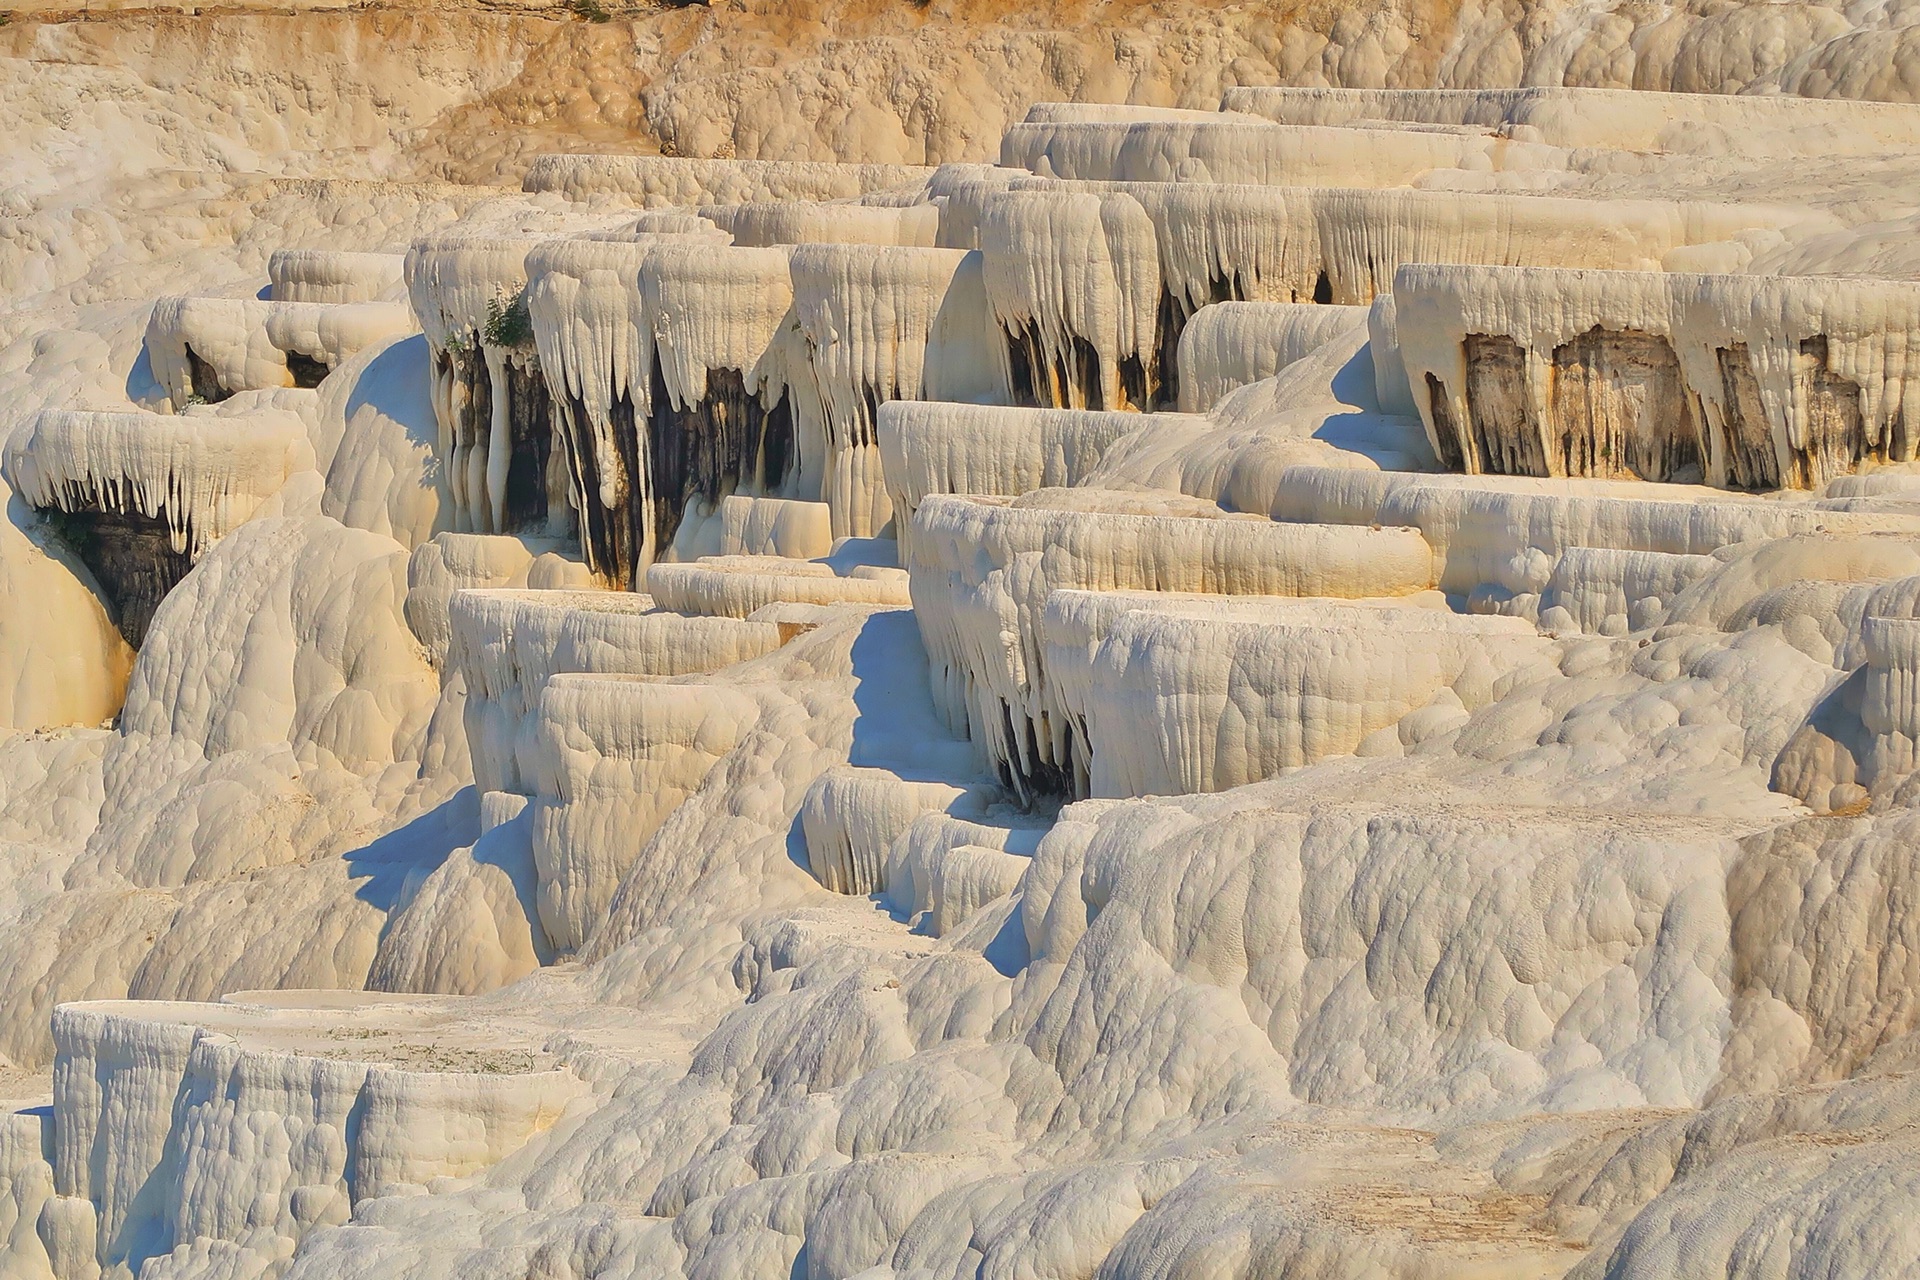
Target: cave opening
x,y
728,440
1619,407
307,371
129,554
204,382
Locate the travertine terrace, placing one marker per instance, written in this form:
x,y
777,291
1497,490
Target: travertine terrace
x,y
911,645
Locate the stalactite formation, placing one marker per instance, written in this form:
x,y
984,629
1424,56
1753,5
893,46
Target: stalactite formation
x,y
1095,281
490,393
1749,382
142,497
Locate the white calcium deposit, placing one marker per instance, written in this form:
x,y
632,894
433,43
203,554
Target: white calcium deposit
x,y
621,657
1796,381
201,476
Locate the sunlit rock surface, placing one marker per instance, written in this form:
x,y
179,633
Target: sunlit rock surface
x,y
909,644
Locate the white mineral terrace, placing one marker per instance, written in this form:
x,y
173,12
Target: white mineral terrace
x,y
1609,118
1253,151
889,679
332,275
1750,381
664,181
206,349
199,475
816,222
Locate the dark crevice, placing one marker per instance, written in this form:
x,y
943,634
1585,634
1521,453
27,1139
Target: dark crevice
x,y
531,432
709,449
205,382
1445,430
1071,382
1620,408
307,371
1836,442
1751,462
726,442
1168,325
130,555
1037,778
1506,439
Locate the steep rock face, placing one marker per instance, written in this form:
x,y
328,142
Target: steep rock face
x,y
1747,382
1094,282
489,392
258,1138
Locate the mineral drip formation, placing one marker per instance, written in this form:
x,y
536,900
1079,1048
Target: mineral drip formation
x,y
596,350
980,568
490,399
1094,282
141,497
929,448
721,417
1738,381
883,324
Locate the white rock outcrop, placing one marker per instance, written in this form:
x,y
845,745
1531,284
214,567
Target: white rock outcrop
x,y
1323,688
1751,382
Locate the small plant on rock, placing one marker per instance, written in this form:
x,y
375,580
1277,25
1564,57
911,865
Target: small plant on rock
x,y
508,324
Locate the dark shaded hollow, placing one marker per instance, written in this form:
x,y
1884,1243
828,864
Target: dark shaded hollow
x,y
1037,778
727,441
1041,383
1160,388
529,417
612,539
1751,461
130,555
204,381
307,371
530,429
1447,438
1837,440
1619,406
1506,439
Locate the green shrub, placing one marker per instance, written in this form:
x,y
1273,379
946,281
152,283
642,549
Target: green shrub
x,y
508,324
